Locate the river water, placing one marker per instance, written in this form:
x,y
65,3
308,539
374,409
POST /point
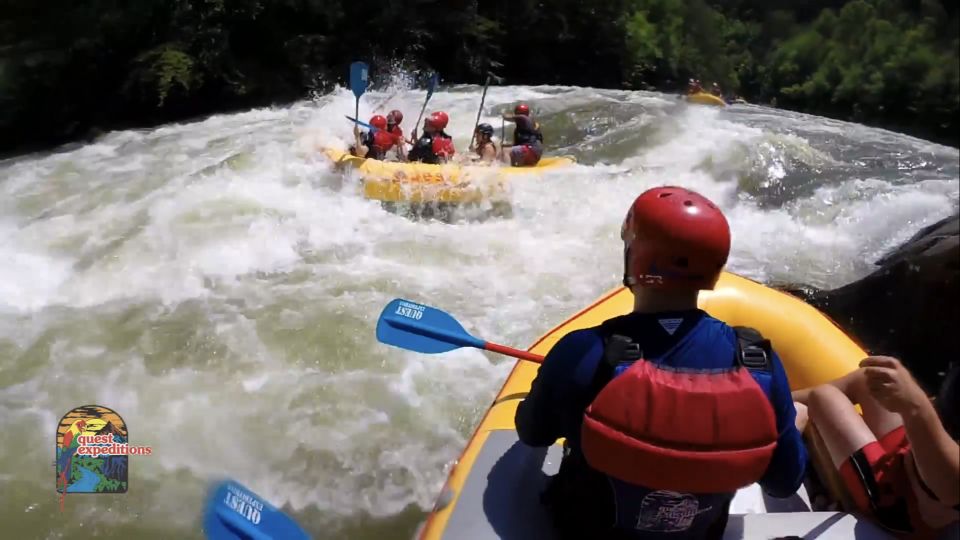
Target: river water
x,y
217,284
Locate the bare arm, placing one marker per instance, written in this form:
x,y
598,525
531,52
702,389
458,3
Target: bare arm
x,y
936,454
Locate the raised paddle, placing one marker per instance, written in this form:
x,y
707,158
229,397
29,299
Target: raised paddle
x,y
359,77
483,98
428,330
431,86
233,512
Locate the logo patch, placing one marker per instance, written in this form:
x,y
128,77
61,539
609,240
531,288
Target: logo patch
x,y
670,325
93,452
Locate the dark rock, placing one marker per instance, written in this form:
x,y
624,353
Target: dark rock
x,y
907,308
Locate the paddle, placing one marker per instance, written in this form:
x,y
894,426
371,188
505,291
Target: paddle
x,y
371,128
483,98
233,512
431,86
359,76
428,330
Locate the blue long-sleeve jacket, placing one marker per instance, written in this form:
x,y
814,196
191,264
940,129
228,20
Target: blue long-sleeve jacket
x,y
562,389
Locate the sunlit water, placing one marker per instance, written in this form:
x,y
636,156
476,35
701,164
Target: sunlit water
x,y
217,285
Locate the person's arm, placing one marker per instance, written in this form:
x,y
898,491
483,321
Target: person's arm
x,y
542,416
788,466
936,454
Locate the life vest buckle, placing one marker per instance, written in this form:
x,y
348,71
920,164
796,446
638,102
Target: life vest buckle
x,y
754,357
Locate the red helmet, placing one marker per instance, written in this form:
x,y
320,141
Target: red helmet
x,y
438,120
395,117
378,121
674,238
523,109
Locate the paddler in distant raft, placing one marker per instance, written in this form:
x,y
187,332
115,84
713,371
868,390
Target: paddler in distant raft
x,y
527,147
394,118
435,146
485,150
375,143
666,412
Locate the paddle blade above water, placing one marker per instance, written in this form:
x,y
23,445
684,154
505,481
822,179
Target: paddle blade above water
x,y
233,512
359,76
421,328
432,85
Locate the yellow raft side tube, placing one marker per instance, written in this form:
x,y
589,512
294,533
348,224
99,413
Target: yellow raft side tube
x,y
421,182
812,348
704,98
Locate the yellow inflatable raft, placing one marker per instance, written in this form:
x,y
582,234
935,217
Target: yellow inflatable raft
x,y
449,183
493,489
704,98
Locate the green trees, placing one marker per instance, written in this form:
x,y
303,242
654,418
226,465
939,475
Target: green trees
x,y
876,61
67,67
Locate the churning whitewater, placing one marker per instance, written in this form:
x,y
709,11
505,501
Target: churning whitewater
x,y
217,284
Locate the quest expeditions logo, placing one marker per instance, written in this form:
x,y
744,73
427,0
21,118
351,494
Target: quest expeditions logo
x,y
92,452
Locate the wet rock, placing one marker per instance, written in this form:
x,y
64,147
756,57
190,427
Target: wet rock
x,y
908,307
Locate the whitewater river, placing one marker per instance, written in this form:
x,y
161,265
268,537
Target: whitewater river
x,y
218,285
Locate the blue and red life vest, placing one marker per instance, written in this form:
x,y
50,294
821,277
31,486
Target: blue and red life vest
x,y
527,131
432,148
683,430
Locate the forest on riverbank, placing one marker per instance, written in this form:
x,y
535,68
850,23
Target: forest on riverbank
x,y
70,69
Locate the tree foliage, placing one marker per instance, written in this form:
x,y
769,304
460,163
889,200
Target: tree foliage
x,y
67,67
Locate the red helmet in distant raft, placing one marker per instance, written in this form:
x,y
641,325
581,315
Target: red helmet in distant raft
x,y
674,238
438,120
522,109
378,121
395,117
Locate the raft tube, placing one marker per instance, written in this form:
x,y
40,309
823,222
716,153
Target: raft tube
x,y
704,98
493,489
391,181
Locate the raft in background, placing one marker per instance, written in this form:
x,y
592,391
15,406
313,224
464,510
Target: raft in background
x,y
704,98
390,181
493,489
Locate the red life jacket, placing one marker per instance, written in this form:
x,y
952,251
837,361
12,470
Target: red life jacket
x,y
383,141
443,147
686,431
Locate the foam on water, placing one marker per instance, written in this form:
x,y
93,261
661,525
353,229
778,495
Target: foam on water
x,y
218,284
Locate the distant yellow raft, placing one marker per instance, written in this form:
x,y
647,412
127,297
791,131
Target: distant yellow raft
x,y
704,98
451,183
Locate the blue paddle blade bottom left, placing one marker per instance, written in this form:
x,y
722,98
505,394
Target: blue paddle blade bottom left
x,y
233,512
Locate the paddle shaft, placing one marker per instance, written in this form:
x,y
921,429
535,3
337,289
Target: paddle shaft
x,y
510,351
460,338
425,101
483,98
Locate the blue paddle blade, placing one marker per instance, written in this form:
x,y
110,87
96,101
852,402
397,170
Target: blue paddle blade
x,y
432,85
423,329
359,75
233,512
